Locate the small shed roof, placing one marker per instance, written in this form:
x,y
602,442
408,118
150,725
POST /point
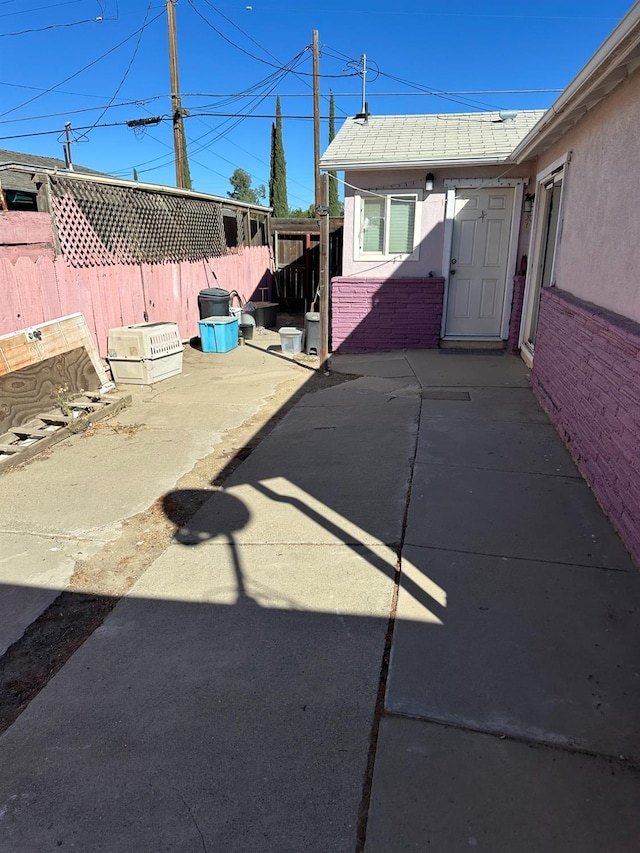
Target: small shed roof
x,y
427,140
17,179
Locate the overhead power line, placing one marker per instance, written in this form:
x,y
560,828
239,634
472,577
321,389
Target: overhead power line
x,y
257,58
127,70
40,8
84,68
53,27
271,116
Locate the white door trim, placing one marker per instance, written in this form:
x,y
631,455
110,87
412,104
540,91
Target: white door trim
x,y
450,212
512,259
516,214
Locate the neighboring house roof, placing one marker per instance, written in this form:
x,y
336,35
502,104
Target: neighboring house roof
x,y
19,180
17,158
409,141
613,62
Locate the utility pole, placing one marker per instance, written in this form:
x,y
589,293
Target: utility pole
x,y
179,141
323,213
67,146
316,122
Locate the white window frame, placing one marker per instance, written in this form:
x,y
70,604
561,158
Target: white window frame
x,y
359,254
559,168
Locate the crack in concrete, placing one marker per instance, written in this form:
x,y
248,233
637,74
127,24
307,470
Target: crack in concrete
x,y
367,787
69,537
560,746
598,568
193,818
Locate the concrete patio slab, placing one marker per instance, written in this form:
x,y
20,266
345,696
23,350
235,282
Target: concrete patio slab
x,y
387,364
459,368
442,789
516,405
207,713
366,390
545,652
77,496
315,476
512,514
533,448
32,572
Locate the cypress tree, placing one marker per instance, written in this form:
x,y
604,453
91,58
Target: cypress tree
x,y
335,208
278,174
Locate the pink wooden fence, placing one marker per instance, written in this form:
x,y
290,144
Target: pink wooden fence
x,y
36,285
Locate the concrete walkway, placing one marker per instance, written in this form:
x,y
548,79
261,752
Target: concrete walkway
x,y
67,504
513,697
233,701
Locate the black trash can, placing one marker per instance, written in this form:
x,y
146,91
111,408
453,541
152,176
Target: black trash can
x,y
213,302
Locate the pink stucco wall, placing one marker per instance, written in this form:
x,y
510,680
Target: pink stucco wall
x,y
599,253
431,219
431,225
38,285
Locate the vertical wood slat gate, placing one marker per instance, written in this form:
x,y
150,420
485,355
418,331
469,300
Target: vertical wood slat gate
x,y
297,258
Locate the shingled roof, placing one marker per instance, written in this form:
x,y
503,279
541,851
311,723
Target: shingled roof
x,y
427,140
20,180
18,158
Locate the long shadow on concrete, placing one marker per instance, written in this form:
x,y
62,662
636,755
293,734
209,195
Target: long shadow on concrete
x,y
232,701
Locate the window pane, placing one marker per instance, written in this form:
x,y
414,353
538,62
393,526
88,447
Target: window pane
x,y
373,225
401,226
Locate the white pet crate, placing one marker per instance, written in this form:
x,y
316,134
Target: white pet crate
x,y
144,353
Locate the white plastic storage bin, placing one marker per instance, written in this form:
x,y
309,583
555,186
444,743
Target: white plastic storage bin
x,y
290,340
144,353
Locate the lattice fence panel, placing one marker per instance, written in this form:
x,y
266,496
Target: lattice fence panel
x,y
106,224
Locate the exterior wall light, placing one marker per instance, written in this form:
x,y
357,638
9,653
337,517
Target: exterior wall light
x,y
428,182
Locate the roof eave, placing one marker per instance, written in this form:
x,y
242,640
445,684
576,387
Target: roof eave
x,y
582,93
368,166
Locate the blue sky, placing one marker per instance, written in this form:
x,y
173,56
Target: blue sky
x,y
229,48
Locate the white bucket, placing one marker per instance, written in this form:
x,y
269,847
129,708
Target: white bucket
x,y
290,340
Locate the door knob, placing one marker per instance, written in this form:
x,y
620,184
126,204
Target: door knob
x,y
452,272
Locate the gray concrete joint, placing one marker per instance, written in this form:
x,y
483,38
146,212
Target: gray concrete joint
x,y
620,760
512,557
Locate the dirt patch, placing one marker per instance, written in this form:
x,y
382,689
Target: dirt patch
x,y
98,583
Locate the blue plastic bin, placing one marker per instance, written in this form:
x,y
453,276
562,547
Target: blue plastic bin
x,y
219,334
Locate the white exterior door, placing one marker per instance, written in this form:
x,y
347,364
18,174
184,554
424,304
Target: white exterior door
x,y
478,267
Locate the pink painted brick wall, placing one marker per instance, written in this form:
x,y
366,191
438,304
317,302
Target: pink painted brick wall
x,y
517,302
586,373
371,314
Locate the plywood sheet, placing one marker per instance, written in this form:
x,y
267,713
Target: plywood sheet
x,y
26,393
56,337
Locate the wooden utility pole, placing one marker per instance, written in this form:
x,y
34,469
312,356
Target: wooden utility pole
x,y
316,122
179,141
323,213
67,146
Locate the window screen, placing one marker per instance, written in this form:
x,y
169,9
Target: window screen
x,y
373,225
401,226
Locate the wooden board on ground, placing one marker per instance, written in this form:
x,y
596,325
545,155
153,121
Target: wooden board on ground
x,y
22,443
30,346
39,387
